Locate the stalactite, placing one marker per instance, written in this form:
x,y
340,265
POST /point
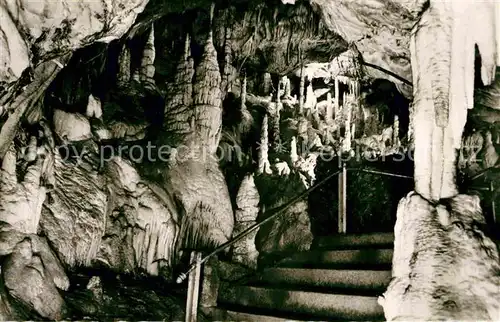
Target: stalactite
x,y
264,167
266,84
123,77
301,90
243,94
147,71
246,117
337,98
226,74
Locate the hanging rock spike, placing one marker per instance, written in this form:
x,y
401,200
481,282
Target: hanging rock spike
x,y
123,77
148,58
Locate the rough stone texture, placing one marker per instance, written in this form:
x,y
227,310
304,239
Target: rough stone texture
x,y
245,251
200,186
21,202
95,286
46,29
291,230
32,275
44,74
379,29
74,219
140,231
194,176
71,126
444,266
439,117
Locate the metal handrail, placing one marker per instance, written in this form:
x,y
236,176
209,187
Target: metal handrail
x,y
381,173
277,211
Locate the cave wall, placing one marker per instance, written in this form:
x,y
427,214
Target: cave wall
x,y
259,94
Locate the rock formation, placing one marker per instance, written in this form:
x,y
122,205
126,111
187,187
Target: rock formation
x,y
111,154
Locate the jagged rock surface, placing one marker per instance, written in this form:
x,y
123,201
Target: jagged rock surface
x,y
37,31
444,266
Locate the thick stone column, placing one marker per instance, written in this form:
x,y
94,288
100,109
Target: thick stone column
x,y
444,265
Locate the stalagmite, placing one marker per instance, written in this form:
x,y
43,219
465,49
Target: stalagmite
x,y
136,76
196,179
266,84
123,77
94,108
147,71
178,111
329,109
445,267
207,96
264,167
310,101
294,157
287,91
346,143
301,90
395,131
275,121
247,201
411,131
337,98
491,157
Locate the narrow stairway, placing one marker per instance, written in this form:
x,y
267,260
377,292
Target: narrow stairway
x,y
340,278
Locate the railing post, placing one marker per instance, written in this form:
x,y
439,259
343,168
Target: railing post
x,y
193,290
342,209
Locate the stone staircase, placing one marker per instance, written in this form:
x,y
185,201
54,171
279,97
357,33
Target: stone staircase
x,y
338,279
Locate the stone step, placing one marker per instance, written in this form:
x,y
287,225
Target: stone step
x,y
327,278
371,259
314,304
354,241
221,314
